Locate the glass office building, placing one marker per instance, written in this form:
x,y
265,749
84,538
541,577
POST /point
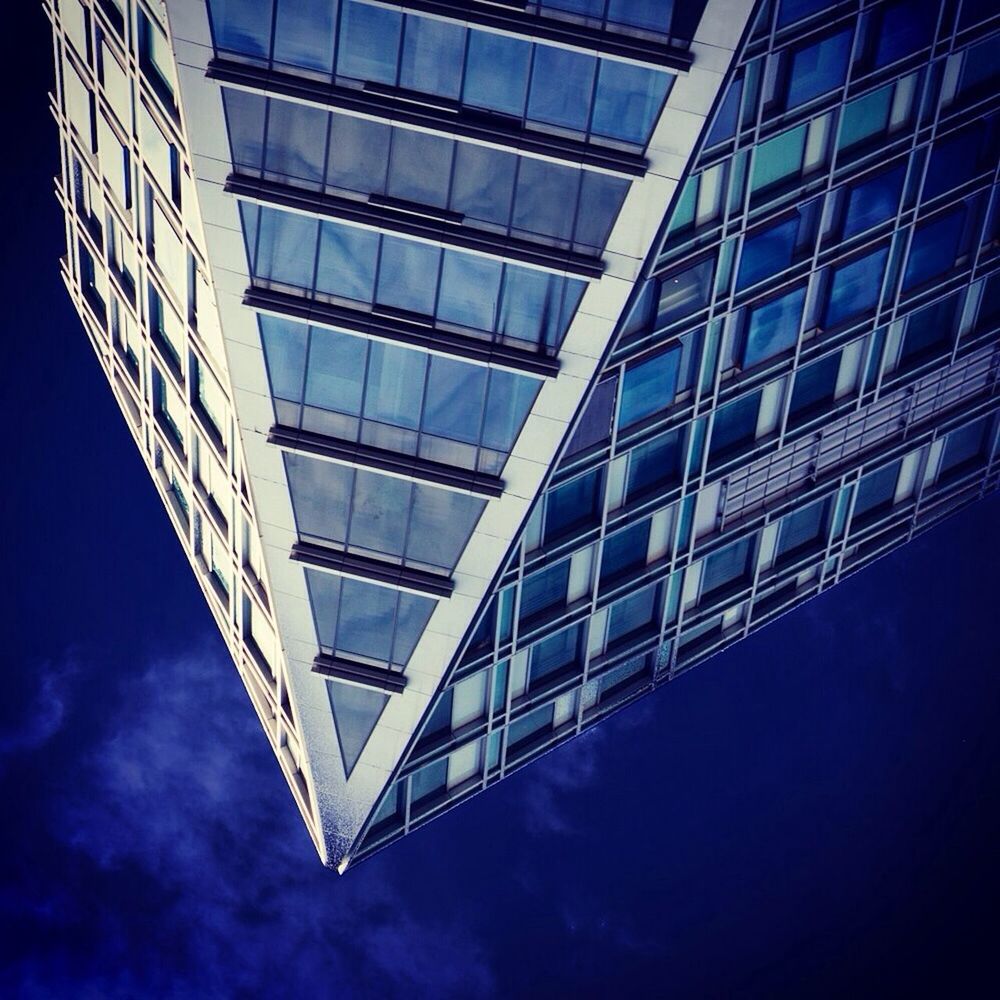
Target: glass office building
x,y
498,362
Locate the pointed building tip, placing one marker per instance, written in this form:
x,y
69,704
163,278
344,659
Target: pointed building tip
x,y
356,712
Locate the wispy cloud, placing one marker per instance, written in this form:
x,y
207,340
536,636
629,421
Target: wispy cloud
x,y
204,881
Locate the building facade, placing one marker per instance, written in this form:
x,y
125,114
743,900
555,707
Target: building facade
x,y
497,363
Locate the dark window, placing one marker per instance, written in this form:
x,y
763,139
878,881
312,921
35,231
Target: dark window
x,y
624,551
773,328
553,655
818,68
544,591
685,293
655,464
854,288
928,333
735,426
595,424
727,567
649,386
934,248
801,530
902,28
633,614
814,389
959,157
873,201
573,505
964,449
876,491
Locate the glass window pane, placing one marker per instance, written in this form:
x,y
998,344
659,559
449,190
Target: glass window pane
x,y
628,100
624,551
321,494
359,154
347,261
543,202
855,288
777,159
802,530
633,614
470,290
296,142
241,26
873,201
368,47
905,27
773,327
727,567
336,371
686,292
814,388
285,351
655,464
484,183
876,490
433,52
497,72
408,274
767,253
509,399
455,396
648,387
544,590
366,618
934,248
379,506
303,34
865,118
286,247
818,68
420,168
573,505
561,84
440,524
395,386
735,425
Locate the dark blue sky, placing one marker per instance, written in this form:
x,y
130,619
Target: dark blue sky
x,y
814,813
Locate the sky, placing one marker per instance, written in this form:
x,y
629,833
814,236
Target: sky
x,y
813,813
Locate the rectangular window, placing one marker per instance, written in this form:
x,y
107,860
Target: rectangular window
x,y
573,506
649,386
734,427
773,328
872,201
876,492
854,288
801,531
727,568
934,248
625,551
544,591
656,464
814,389
818,68
554,655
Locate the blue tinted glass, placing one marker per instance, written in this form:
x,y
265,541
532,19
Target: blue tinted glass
x,y
408,275
928,331
420,169
347,261
296,142
545,199
625,550
866,117
455,396
532,306
876,490
303,33
855,288
433,52
726,567
242,26
376,502
573,505
395,385
358,155
814,387
627,101
655,464
336,371
366,619
819,68
601,196
954,160
906,26
735,424
648,387
321,496
508,402
561,84
795,10
470,290
286,247
285,351
964,446
440,524
802,529
544,590
724,125
595,423
652,14
483,185
934,248
412,613
429,781
873,201
245,124
685,292
767,253
773,327
497,72
369,42
553,654
632,614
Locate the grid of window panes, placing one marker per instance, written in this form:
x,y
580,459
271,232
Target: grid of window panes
x,y
138,278
358,44
808,377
